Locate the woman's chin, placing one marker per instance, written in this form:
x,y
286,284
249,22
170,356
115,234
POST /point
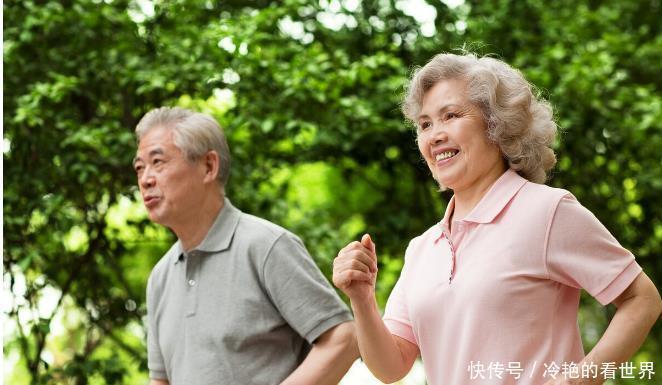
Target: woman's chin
x,y
445,182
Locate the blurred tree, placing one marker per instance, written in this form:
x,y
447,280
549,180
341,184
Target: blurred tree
x,y
308,94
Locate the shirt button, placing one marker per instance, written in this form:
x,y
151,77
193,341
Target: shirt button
x,y
191,282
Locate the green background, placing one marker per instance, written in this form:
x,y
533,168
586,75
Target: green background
x,y
308,94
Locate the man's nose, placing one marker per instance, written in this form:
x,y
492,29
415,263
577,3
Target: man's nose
x,y
146,180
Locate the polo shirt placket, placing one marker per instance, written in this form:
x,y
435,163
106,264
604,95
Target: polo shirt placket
x,y
192,263
447,242
453,240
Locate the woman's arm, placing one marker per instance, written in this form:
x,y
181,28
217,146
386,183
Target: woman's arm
x,y
388,357
638,308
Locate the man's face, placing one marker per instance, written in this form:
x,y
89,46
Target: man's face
x,y
171,186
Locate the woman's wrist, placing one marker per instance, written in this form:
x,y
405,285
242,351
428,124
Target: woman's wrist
x,y
364,304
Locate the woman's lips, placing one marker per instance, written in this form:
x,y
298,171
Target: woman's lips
x,y
443,162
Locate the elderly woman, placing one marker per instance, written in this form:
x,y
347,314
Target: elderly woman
x,y
490,294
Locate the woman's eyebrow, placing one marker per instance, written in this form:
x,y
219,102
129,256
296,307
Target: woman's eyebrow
x,y
446,107
440,110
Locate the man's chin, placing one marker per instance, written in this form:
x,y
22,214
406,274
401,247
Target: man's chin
x,y
155,217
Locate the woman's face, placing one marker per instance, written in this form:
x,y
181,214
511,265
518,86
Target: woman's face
x,y
452,137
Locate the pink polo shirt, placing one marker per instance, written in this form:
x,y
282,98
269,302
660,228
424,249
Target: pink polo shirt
x,y
497,302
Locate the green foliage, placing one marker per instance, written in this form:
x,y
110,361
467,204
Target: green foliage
x,y
319,145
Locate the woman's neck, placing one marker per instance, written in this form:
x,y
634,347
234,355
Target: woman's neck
x,y
467,198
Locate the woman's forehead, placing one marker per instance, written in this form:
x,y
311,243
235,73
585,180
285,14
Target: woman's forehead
x,y
444,94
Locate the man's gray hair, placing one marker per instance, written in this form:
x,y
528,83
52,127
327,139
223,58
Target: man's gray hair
x,y
194,133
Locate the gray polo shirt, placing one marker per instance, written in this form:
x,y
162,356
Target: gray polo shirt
x,y
241,308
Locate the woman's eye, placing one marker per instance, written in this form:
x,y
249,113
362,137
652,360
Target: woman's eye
x,y
425,125
450,115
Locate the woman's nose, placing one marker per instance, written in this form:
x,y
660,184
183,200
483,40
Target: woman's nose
x,y
439,134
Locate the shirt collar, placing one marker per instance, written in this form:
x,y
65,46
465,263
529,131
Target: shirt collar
x,y
220,234
494,201
443,227
177,252
497,197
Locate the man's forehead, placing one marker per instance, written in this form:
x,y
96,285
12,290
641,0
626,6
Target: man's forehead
x,y
155,138
146,151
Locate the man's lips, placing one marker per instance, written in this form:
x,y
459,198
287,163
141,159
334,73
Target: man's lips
x,y
151,201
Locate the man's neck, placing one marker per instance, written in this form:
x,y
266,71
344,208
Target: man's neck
x,y
197,225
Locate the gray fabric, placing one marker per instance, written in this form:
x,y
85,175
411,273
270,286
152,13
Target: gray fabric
x,y
241,308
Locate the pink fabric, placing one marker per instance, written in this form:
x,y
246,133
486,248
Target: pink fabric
x,y
521,258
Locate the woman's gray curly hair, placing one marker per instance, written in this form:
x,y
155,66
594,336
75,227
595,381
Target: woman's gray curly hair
x,y
518,121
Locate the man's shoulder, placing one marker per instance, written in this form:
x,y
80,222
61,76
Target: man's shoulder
x,y
253,228
258,241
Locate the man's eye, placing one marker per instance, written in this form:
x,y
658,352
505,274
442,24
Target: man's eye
x,y
139,169
157,161
450,115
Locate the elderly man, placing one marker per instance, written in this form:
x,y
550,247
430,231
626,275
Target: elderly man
x,y
237,299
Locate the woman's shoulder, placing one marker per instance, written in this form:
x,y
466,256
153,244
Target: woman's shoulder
x,y
536,194
533,204
544,190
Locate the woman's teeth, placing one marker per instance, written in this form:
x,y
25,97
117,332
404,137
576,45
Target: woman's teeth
x,y
445,155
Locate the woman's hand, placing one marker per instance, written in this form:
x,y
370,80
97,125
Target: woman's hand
x,y
355,270
388,357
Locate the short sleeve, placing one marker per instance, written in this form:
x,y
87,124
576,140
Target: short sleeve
x,y
583,254
396,314
299,291
154,357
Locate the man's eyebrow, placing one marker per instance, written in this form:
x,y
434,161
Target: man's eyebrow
x,y
156,151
